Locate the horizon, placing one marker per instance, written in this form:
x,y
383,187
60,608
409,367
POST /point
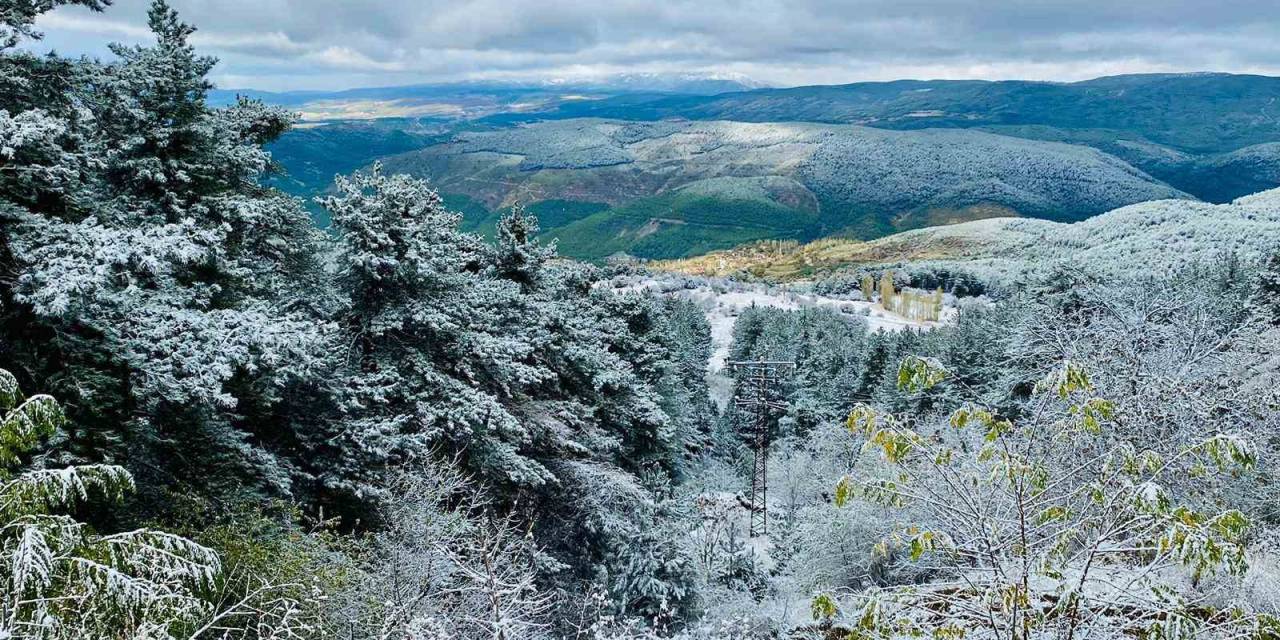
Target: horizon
x,y
532,83
326,45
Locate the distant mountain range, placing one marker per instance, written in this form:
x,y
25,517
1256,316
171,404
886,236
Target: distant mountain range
x,y
1194,113
921,153
474,99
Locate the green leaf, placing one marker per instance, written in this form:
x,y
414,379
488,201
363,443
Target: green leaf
x,y
844,491
1053,514
823,607
916,373
1066,379
862,419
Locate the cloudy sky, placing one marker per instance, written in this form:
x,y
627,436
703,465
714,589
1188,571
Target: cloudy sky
x,y
334,44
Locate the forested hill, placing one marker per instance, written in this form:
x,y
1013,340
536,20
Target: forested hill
x,y
673,189
862,160
1209,134
1195,113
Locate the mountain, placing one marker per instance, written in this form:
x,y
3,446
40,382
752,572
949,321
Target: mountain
x,y
1149,237
1215,137
440,102
475,99
704,84
1196,113
672,189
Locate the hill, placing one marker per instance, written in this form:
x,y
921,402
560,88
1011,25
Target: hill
x,y
673,189
477,99
1196,113
1149,237
1212,136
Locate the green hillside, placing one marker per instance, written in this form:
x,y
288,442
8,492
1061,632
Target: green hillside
x,y
923,153
673,189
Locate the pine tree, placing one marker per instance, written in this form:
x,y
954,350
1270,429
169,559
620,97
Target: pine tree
x,y
59,577
149,275
1264,302
518,255
435,344
17,18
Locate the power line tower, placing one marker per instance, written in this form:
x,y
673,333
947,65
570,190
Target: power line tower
x,y
755,393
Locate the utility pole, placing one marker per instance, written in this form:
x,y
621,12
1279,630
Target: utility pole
x,y
754,394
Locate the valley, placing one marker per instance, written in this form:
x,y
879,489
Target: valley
x,y
668,174
674,189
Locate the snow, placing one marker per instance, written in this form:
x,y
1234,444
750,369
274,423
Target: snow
x,y
724,302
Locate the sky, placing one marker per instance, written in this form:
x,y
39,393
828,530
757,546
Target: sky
x,y
336,44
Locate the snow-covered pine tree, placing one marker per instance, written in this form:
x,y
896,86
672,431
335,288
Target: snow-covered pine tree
x,y
17,19
59,578
544,387
518,254
149,276
1264,301
438,350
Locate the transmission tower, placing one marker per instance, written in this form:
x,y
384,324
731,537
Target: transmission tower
x,y
755,395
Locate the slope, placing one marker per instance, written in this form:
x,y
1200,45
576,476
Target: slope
x,y
1198,112
1149,237
676,188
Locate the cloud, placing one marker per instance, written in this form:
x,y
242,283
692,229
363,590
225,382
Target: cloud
x,y
66,21
289,44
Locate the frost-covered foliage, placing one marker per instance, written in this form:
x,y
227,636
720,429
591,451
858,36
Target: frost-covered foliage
x,y
215,344
542,385
60,578
63,579
17,19
148,276
1151,238
953,168
514,364
1177,358
402,430
445,565
1043,525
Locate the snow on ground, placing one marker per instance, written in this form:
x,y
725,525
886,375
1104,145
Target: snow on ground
x,y
723,301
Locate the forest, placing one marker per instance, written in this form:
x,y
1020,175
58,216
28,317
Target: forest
x,y
218,421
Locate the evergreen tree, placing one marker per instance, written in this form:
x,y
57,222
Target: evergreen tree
x,y
436,346
150,277
1264,302
62,579
518,255
18,17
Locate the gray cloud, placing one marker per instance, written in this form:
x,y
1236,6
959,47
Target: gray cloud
x,y
292,44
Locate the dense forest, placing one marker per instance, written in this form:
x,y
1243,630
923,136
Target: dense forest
x,y
217,421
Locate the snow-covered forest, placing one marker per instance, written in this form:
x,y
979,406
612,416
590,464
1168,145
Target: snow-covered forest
x,y
219,422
